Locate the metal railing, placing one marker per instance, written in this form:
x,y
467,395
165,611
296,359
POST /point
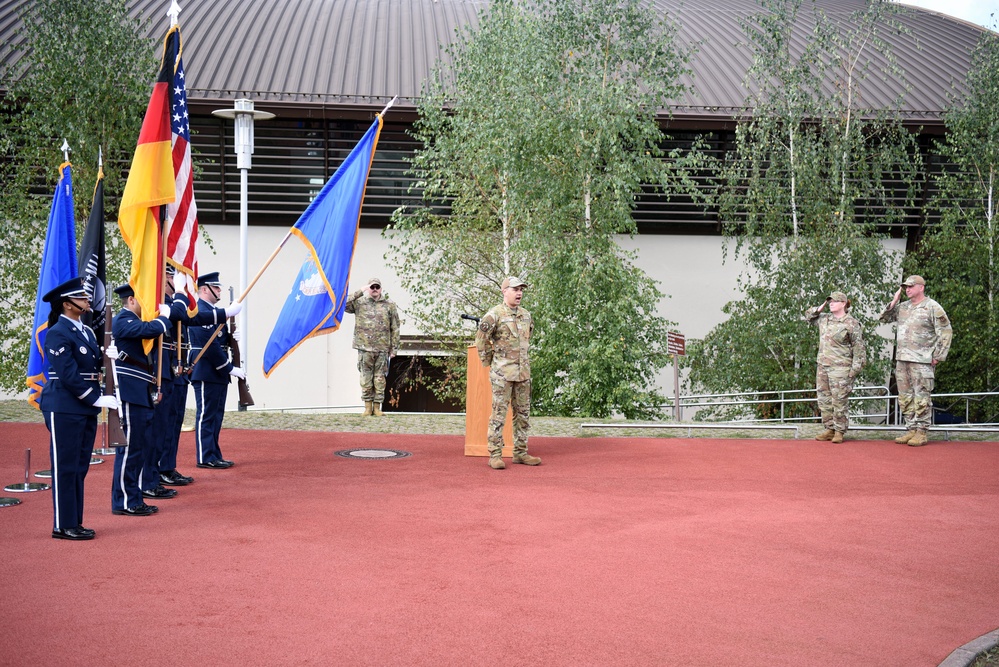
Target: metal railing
x,y
886,409
782,399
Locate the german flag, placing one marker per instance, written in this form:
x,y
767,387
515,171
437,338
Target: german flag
x,y
150,185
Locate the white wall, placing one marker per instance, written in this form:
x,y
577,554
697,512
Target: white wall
x,y
323,372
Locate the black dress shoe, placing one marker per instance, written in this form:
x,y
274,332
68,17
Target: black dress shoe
x,y
72,534
138,510
159,492
174,478
219,465
86,531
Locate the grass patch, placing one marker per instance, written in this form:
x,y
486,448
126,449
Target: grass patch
x,y
989,658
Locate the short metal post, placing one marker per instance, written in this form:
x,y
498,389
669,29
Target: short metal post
x,y
104,449
26,486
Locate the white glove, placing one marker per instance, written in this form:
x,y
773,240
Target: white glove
x,y
109,402
179,282
164,310
234,309
238,372
237,335
111,351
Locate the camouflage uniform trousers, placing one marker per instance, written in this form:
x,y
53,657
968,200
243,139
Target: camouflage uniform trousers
x,y
915,384
373,367
506,393
833,386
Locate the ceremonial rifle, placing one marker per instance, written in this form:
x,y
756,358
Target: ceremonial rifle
x,y
114,434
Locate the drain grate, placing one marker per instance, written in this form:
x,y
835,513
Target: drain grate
x,y
372,454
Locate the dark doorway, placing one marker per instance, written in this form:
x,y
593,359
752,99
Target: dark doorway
x,y
415,398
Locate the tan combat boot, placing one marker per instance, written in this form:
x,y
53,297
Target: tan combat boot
x,y
918,439
368,405
527,459
376,410
837,437
904,439
496,463
826,434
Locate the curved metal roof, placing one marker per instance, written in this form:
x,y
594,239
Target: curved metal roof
x,y
331,53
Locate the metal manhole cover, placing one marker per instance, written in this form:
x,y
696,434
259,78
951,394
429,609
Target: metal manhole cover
x,y
372,454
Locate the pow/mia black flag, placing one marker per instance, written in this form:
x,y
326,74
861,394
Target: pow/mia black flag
x,y
92,262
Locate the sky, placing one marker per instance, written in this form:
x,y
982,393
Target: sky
x,y
982,12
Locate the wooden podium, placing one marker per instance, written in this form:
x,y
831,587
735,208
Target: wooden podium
x,y
479,407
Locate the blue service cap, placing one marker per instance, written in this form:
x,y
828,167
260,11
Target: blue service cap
x,y
71,289
124,291
209,279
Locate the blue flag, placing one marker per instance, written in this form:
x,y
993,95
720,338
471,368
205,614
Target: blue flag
x,y
58,266
328,228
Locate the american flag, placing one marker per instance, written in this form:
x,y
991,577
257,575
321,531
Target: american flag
x,y
182,215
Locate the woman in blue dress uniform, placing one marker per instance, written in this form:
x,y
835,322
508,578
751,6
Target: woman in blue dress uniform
x,y
70,401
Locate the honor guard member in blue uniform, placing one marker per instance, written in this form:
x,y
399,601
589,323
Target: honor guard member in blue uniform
x,y
136,382
210,377
70,401
169,417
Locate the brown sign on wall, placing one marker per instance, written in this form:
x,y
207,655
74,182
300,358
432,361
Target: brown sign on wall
x,y
675,343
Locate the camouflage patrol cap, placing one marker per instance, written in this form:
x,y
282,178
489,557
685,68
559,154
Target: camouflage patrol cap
x,y
513,281
913,280
839,296
374,281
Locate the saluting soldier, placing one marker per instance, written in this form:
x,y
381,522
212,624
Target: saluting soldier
x,y
841,357
376,339
923,340
136,383
503,342
70,402
210,377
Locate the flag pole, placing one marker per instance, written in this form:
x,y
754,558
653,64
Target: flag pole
x,y
270,259
174,14
388,106
242,296
268,262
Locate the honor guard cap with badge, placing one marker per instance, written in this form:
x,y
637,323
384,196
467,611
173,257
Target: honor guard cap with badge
x,y
170,270
513,281
71,289
124,291
209,279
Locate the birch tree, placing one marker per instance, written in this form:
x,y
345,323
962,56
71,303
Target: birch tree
x,y
804,193
958,258
84,75
538,135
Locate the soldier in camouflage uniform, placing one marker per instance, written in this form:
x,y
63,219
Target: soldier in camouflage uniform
x,y
376,339
841,356
503,342
923,340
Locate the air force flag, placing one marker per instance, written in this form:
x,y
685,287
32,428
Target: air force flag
x,y
328,228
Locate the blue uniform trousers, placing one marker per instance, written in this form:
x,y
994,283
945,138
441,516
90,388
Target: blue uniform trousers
x,y
151,455
71,442
210,398
137,422
175,405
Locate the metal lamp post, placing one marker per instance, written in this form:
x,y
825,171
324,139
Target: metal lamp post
x,y
243,114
